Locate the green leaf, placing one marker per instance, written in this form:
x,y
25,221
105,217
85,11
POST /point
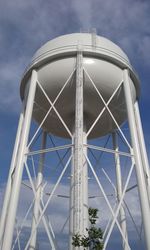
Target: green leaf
x,y
76,240
94,238
93,215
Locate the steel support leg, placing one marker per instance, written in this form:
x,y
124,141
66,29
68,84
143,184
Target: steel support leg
x,y
71,202
119,191
36,210
144,201
10,222
10,178
142,146
85,187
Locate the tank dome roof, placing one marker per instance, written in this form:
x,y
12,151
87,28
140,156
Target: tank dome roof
x,y
68,44
91,45
71,41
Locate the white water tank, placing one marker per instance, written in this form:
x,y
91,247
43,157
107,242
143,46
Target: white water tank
x,y
102,59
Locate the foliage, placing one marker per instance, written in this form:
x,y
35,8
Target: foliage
x,y
93,215
94,238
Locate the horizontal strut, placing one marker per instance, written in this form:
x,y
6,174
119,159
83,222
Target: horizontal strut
x,y
108,150
49,150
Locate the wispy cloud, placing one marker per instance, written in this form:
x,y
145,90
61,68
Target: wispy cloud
x,y
26,25
125,22
58,211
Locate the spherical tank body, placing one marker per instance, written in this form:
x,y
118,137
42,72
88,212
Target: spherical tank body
x,y
103,64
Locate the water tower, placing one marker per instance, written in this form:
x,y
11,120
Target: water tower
x,y
79,87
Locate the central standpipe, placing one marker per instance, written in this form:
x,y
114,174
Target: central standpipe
x,y
79,190
78,148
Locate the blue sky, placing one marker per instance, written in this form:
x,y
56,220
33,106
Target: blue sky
x,y
26,25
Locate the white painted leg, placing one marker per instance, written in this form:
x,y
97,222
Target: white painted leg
x,y
142,146
119,191
85,187
9,181
36,210
71,205
9,229
144,201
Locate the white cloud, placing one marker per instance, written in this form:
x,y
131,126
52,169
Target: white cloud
x,y
83,10
26,25
10,73
58,209
122,21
